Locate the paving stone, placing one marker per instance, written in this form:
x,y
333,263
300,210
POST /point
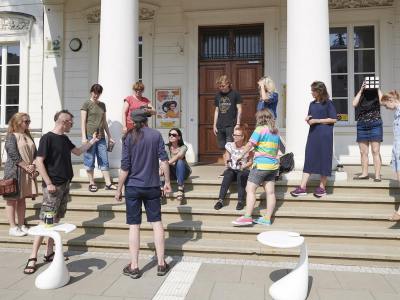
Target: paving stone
x,y
10,294
261,275
324,279
394,281
145,287
200,289
334,294
13,277
364,281
45,295
219,272
87,297
385,296
237,291
13,260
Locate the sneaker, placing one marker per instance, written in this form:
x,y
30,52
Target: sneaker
x,y
132,273
243,221
263,221
162,270
240,205
24,229
319,192
219,204
15,231
298,192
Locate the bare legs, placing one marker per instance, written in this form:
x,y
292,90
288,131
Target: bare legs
x,y
106,175
375,149
269,187
16,206
134,243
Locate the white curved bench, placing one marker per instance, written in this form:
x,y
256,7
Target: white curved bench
x,y
293,286
56,275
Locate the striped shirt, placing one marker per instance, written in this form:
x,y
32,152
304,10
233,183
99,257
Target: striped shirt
x,y
266,145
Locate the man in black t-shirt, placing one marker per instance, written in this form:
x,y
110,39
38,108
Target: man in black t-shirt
x,y
54,165
228,111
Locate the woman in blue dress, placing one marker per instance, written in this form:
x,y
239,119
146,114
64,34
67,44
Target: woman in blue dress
x,y
319,148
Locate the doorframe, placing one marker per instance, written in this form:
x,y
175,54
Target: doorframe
x,y
269,16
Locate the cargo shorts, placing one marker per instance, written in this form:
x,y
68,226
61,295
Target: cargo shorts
x,y
55,202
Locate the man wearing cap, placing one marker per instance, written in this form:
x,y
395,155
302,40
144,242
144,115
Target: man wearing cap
x,y
142,149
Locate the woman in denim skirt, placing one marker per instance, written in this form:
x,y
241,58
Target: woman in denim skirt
x,y
369,129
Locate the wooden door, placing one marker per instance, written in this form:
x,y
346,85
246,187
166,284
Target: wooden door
x,y
244,76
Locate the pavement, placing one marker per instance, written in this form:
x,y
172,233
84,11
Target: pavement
x,y
99,276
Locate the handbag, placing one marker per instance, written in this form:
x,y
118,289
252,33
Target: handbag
x,y
286,163
8,186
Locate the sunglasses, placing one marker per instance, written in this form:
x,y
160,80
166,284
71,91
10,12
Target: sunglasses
x,y
237,135
173,134
26,121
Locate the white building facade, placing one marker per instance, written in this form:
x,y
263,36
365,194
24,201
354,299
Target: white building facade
x,y
52,51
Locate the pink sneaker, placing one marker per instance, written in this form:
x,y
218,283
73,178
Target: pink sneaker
x,y
243,221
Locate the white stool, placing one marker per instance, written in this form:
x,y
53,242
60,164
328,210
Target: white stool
x,y
56,275
293,286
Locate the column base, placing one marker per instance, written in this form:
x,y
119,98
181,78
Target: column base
x,y
296,175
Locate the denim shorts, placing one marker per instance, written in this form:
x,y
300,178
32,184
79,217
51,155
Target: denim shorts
x,y
369,131
260,176
98,150
55,202
150,196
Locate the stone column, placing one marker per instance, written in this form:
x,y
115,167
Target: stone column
x,y
118,62
308,59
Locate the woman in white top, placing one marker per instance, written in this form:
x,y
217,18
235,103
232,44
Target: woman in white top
x,y
236,169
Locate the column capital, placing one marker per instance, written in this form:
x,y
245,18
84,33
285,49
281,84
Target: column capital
x,y
340,4
146,12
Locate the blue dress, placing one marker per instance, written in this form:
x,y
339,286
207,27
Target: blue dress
x,y
319,147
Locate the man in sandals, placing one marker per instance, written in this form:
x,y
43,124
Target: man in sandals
x,y
142,149
53,162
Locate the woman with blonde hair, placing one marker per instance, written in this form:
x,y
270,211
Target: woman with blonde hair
x,y
21,152
268,95
265,142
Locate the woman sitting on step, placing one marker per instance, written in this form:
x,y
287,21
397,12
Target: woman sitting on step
x,y
178,166
236,169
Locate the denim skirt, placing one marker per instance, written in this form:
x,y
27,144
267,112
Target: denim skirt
x,y
369,131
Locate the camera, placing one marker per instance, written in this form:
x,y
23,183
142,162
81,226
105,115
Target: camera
x,y
372,82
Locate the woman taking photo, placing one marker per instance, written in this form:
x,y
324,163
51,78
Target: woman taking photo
x,y
236,169
178,166
319,148
134,102
268,95
21,152
94,120
369,129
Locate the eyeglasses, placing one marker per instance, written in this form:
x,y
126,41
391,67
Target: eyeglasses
x,y
173,134
139,91
237,135
69,121
26,121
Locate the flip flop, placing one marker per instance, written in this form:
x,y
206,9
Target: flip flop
x,y
110,187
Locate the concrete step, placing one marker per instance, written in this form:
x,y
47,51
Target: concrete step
x,y
354,254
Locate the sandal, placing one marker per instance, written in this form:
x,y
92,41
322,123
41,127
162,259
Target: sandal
x,y
50,257
180,195
361,177
93,188
110,187
28,267
395,217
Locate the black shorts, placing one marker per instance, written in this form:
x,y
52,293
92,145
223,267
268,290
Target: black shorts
x,y
150,196
224,135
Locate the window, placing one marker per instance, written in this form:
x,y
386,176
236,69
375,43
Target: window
x,y
140,67
9,81
352,59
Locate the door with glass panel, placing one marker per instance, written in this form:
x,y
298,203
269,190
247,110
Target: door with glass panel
x,y
9,81
353,57
237,51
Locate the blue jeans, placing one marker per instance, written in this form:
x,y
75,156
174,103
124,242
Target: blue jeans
x,y
180,171
98,150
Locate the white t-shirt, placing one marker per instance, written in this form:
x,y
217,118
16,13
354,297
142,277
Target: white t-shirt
x,y
235,153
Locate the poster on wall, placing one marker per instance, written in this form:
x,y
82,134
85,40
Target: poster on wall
x,y
168,107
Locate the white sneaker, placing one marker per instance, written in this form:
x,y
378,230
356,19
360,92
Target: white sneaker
x,y
15,231
24,229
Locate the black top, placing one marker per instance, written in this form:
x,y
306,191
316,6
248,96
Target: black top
x,y
227,110
368,109
56,151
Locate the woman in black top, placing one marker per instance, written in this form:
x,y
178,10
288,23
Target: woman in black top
x,y
369,129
